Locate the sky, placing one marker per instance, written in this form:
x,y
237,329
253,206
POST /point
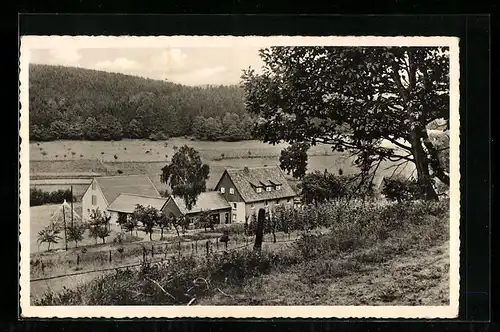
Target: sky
x,y
183,65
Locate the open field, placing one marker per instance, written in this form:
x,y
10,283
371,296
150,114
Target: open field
x,y
91,158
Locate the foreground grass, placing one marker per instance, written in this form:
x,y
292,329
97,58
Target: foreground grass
x,y
367,257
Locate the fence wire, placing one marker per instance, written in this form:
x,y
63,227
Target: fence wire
x,y
114,268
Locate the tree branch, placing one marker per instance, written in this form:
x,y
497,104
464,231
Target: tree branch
x,y
401,145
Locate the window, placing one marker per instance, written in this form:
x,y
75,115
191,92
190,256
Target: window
x,y
252,206
259,189
234,205
222,190
268,188
94,199
278,187
234,216
266,203
231,191
93,185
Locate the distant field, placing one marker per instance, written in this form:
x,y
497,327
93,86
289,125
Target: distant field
x,y
83,157
145,150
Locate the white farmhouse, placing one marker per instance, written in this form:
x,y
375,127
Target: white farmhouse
x,y
103,191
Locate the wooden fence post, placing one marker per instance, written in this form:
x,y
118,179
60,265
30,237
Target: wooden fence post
x,y
196,246
110,256
217,243
77,259
207,248
260,230
166,249
152,251
42,266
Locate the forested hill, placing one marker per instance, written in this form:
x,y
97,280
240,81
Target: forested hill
x,y
75,103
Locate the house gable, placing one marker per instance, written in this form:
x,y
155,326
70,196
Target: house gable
x,y
112,186
226,183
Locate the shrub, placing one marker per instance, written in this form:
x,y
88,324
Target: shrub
x,y
158,136
399,189
233,228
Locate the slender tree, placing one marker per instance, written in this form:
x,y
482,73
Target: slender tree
x,y
148,216
99,225
50,234
186,175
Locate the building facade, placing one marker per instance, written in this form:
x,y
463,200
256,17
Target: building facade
x,y
103,191
249,189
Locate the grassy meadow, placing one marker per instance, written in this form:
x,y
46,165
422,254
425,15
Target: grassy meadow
x,y
77,159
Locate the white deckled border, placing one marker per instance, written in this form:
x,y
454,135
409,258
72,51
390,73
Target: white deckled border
x,y
48,42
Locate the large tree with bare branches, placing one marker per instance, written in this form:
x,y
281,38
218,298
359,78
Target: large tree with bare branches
x,y
312,94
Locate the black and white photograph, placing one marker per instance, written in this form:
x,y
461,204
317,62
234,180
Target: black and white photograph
x,y
220,176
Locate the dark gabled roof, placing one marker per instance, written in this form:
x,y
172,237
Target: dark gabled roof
x,y
127,202
112,186
207,201
245,179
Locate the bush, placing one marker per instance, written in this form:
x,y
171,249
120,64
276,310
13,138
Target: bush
x,y
233,229
39,197
158,136
399,189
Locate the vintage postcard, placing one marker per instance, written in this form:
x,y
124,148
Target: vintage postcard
x,y
220,176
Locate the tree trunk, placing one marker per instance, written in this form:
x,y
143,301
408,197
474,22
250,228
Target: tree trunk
x,y
150,235
434,161
48,248
161,234
103,240
427,191
260,230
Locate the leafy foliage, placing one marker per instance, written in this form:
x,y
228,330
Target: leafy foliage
x,y
75,103
319,187
186,175
148,216
40,197
99,225
76,231
127,222
400,189
294,159
50,234
354,98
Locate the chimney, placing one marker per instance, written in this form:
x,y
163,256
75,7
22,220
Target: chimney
x,y
245,169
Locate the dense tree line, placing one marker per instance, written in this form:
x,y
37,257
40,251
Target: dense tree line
x,y
231,127
40,197
74,103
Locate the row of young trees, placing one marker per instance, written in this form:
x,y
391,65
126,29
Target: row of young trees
x,y
98,225
77,103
